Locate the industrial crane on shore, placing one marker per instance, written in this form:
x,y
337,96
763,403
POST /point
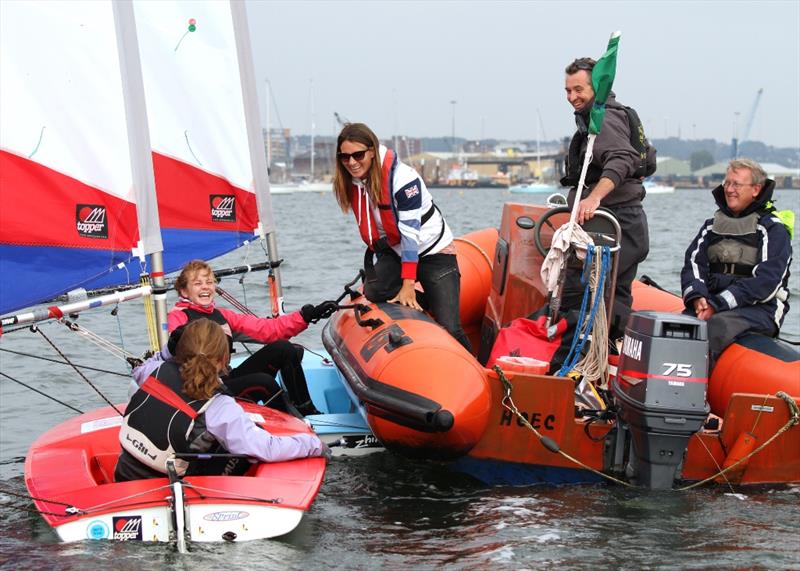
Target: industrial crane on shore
x,y
746,133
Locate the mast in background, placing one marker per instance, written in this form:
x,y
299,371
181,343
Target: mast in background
x,y
266,228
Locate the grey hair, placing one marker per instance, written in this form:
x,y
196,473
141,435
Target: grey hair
x,y
758,175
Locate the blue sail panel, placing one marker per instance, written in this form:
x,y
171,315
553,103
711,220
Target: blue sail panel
x,y
31,274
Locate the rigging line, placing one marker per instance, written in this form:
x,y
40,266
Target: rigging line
x,y
116,501
41,393
115,313
111,404
101,342
794,418
758,416
324,359
229,494
315,422
20,328
51,360
227,296
720,471
34,498
509,405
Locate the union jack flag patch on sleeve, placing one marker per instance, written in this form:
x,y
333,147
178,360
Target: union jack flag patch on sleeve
x,y
412,191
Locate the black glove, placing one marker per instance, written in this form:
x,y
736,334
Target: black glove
x,y
324,310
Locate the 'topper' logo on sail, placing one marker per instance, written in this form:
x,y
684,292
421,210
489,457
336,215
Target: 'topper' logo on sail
x,y
223,208
90,221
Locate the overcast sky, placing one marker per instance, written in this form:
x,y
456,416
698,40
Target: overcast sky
x,y
687,67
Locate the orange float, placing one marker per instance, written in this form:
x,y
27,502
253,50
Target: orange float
x,y
422,392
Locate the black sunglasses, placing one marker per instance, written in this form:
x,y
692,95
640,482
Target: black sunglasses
x,y
358,156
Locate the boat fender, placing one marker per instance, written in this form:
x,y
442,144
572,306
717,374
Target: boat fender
x,y
550,444
742,449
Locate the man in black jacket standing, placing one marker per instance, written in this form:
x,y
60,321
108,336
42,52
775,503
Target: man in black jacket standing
x,y
613,181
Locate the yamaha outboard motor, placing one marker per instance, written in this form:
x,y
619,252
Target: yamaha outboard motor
x,y
660,390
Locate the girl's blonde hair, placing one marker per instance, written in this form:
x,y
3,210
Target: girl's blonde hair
x,y
190,270
342,181
202,353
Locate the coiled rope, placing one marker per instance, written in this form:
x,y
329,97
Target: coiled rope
x,y
595,270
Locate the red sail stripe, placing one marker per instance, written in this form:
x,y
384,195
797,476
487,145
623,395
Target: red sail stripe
x,y
184,197
33,215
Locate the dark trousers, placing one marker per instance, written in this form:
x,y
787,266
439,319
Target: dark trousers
x,y
726,327
255,377
635,245
440,278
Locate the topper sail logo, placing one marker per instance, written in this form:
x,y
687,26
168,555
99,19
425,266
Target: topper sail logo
x,y
128,528
223,208
90,221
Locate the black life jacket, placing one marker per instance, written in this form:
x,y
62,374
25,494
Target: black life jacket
x,y
161,420
638,140
215,316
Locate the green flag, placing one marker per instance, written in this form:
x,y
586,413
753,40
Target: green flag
x,y
602,80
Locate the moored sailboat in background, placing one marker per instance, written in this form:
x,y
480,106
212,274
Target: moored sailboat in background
x,y
652,187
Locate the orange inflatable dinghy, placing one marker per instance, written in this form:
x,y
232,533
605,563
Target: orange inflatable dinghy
x,y
423,393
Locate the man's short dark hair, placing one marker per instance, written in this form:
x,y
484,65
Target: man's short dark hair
x,y
582,63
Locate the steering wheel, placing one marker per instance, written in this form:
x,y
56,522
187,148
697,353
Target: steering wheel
x,y
602,218
537,231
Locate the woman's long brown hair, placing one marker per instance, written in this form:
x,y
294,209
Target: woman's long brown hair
x,y
202,353
342,181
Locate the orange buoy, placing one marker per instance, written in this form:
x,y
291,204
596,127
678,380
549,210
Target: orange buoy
x,y
745,443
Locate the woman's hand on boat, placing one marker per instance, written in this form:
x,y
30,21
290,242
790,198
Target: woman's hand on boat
x,y
407,295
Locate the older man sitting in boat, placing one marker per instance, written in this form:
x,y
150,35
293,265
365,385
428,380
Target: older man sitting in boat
x,y
736,269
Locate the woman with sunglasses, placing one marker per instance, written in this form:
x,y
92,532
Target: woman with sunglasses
x,y
407,237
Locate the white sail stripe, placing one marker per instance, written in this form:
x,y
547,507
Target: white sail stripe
x,y
194,103
58,56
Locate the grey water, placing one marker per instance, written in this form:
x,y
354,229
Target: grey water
x,y
382,510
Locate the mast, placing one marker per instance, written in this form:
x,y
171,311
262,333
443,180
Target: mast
x,y
269,133
141,158
311,91
538,147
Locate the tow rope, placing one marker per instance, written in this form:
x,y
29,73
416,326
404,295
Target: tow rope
x,y
552,446
549,443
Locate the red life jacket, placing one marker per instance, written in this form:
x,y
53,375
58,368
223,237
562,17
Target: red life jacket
x,y
385,206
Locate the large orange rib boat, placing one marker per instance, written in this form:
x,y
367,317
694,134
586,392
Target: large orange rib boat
x,y
667,420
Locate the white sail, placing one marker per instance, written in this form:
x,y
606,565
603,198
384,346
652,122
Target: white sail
x,y
76,161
